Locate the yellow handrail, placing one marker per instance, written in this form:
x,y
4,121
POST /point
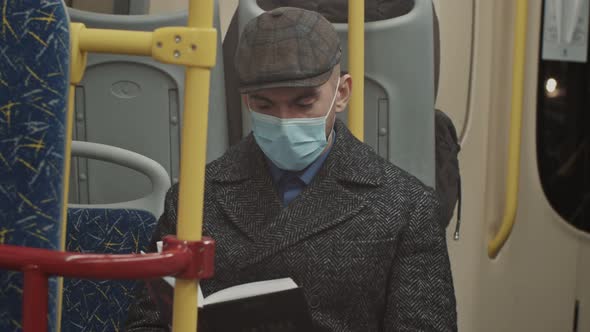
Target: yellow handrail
x,y
512,178
195,47
356,66
118,41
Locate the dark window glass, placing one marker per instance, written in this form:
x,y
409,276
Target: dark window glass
x,y
563,138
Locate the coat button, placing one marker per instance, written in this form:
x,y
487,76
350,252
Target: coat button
x,y
314,301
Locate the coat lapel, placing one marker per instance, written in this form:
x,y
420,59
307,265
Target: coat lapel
x,y
245,192
337,193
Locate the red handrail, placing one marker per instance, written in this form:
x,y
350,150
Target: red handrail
x,y
99,266
191,260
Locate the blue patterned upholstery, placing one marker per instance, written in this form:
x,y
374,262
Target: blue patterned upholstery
x,y
34,72
101,305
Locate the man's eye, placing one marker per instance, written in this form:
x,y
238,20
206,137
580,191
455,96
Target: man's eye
x,y
305,106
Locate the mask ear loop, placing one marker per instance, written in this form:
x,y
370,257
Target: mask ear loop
x,y
329,138
333,99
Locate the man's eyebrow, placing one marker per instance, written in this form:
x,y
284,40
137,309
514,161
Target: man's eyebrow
x,y
306,95
260,98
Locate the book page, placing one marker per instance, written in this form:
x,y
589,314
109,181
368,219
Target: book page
x,y
239,291
250,290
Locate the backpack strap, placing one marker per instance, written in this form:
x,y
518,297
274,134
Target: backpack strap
x,y
448,178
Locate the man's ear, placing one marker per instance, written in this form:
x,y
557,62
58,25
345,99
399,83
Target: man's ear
x,y
344,93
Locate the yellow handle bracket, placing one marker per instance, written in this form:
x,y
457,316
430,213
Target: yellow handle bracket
x,y
194,47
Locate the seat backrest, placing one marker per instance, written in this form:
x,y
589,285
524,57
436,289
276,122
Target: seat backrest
x,y
34,76
118,228
399,85
136,103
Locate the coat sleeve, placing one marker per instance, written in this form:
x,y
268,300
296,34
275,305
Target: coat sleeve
x,y
420,292
145,315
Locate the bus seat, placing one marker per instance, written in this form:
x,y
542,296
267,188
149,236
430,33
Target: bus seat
x,y
136,103
117,228
34,76
399,85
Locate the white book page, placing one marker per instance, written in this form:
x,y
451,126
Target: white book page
x,y
250,290
239,291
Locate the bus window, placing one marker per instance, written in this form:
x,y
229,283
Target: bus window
x,y
563,138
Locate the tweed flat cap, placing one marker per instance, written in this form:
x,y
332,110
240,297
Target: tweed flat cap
x,y
286,47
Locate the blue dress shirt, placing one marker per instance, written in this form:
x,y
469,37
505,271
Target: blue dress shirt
x,y
289,184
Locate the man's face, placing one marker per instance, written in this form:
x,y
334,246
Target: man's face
x,y
303,102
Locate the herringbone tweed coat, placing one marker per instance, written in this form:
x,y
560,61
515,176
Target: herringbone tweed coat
x,y
364,240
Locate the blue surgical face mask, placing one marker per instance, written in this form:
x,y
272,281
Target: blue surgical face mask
x,y
294,143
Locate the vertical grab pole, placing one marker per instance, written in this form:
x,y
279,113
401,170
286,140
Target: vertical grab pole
x,y
65,197
76,72
35,300
192,168
356,64
512,178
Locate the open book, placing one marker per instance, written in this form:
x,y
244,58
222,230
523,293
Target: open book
x,y
277,305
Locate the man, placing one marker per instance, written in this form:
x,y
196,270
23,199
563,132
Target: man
x,y
302,198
